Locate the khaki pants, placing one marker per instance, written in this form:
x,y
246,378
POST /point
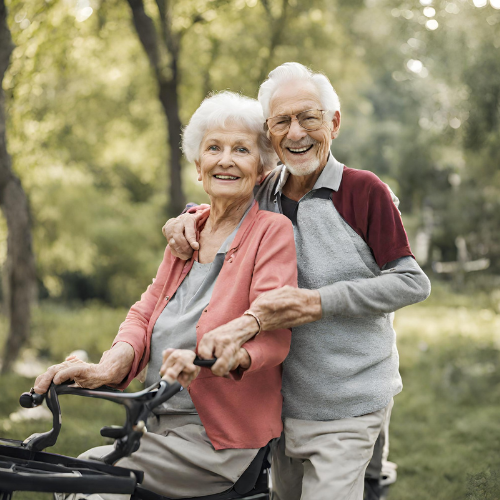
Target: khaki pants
x,y
317,460
379,467
178,461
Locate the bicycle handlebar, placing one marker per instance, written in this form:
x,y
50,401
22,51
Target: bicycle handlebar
x,y
138,406
31,399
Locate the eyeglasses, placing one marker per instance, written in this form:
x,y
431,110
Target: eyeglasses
x,y
310,120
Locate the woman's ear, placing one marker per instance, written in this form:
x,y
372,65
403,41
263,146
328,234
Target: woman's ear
x,y
198,168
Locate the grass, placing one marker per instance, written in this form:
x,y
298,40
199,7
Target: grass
x,y
445,429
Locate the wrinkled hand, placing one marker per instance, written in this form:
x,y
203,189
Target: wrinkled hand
x,y
181,235
112,369
287,307
84,374
178,365
225,343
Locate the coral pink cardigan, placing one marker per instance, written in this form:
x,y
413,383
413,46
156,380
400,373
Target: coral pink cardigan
x,y
243,413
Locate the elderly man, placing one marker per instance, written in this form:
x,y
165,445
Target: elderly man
x,y
355,268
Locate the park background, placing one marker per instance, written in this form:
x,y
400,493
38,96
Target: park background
x,y
94,97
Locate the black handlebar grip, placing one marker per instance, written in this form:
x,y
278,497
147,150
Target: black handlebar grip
x,y
31,399
204,362
37,399
26,400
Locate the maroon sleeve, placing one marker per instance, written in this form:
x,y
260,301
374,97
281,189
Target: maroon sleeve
x,y
365,203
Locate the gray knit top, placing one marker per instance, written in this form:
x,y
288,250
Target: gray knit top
x,y
345,364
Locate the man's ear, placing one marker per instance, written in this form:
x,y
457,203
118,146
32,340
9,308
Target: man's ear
x,y
198,168
335,124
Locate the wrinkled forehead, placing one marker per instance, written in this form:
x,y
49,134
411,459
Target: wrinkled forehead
x,y
293,97
231,131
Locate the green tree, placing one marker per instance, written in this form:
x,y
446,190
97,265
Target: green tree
x,y
19,268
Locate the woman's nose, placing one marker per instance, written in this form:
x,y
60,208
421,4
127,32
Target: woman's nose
x,y
226,158
296,132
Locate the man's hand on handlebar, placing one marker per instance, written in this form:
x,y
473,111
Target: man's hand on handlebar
x,y
180,233
112,369
284,307
225,343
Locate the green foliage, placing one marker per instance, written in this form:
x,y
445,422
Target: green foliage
x,y
484,486
87,136
58,331
87,133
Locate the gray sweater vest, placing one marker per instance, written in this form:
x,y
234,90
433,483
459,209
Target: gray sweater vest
x,y
339,366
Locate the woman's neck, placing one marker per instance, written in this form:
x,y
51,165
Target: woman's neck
x,y
223,219
226,214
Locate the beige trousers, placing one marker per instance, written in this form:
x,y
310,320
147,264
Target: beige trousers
x,y
178,461
379,467
317,460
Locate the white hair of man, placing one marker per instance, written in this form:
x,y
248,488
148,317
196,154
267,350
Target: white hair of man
x,y
292,71
223,109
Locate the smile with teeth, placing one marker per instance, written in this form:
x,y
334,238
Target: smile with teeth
x,y
226,177
300,150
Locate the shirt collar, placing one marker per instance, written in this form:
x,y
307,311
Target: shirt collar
x,y
330,177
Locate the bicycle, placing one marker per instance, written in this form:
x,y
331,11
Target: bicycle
x,y
24,466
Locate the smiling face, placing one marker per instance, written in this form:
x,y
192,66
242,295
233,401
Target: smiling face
x,y
229,163
302,151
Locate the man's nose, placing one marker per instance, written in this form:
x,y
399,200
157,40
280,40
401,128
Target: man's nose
x,y
296,132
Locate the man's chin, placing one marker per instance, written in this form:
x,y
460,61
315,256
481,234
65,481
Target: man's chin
x,y
300,169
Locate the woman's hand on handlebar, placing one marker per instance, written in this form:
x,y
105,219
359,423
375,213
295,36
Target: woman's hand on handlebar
x,y
70,369
178,365
112,369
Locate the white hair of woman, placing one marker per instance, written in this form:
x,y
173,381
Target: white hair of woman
x,y
292,71
223,109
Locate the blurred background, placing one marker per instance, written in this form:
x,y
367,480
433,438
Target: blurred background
x,y
95,94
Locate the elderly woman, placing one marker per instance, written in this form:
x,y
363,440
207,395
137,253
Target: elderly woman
x,y
203,439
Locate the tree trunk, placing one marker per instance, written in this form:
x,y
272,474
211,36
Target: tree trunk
x,y
276,27
167,92
169,98
19,272
207,81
